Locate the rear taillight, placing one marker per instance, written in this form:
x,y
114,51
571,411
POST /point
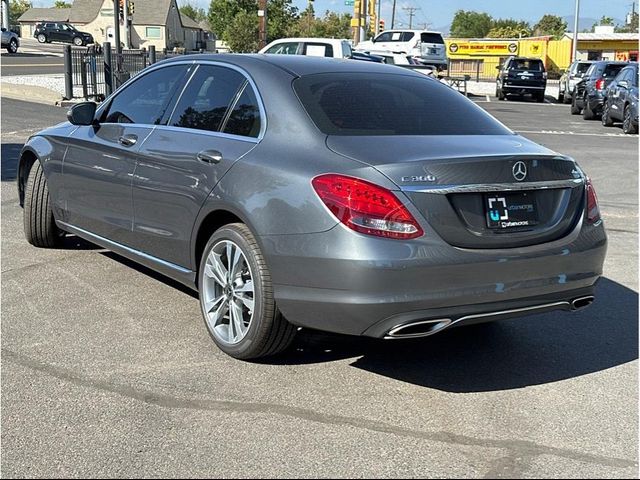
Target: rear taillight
x,y
365,207
593,211
600,84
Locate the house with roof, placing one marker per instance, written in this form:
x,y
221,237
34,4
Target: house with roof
x,y
154,22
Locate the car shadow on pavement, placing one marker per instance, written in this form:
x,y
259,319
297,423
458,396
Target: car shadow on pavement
x,y
494,356
9,153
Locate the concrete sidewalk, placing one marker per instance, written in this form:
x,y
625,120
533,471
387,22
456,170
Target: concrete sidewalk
x,y
30,93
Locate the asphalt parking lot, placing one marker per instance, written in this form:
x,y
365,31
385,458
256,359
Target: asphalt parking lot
x,y
107,369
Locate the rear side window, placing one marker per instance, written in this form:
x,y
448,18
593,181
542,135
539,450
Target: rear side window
x,y
244,119
390,104
582,67
318,50
206,98
144,101
611,70
431,38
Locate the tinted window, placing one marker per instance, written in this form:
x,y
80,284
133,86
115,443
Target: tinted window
x,y
245,117
284,48
383,37
49,25
145,100
582,67
406,36
207,97
346,50
431,38
390,104
611,70
525,64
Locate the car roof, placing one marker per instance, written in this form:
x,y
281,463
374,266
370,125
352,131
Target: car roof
x,y
309,39
296,65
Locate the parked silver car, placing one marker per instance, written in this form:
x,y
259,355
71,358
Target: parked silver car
x,y
296,191
570,78
10,41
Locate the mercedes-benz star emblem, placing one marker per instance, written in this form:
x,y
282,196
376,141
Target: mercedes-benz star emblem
x,y
519,171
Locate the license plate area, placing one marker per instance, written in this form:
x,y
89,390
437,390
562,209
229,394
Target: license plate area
x,y
506,211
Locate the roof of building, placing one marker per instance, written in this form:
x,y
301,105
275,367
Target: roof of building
x,y
189,22
85,11
604,36
40,14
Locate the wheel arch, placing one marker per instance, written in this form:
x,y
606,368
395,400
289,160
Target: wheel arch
x,y
28,157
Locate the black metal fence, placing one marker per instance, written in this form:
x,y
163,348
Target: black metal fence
x,y
95,72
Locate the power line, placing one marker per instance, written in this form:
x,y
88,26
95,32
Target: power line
x,y
411,11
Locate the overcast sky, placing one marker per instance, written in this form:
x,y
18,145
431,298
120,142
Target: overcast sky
x,y
438,13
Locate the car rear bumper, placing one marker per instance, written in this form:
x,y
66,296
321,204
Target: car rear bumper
x,y
344,282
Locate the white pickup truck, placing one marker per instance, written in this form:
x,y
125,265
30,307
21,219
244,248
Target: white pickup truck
x,y
425,45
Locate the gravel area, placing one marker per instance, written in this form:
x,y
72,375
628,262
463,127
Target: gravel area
x,y
52,82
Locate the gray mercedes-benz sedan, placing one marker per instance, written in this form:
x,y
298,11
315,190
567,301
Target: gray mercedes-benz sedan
x,y
293,191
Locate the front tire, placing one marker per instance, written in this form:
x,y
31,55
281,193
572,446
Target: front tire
x,y
42,38
236,296
40,227
13,46
77,41
606,118
627,123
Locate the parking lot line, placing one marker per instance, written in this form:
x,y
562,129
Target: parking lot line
x,y
583,134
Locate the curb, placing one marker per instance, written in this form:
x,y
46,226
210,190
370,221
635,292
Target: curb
x,y
30,93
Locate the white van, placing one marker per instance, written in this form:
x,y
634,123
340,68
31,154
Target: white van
x,y
428,46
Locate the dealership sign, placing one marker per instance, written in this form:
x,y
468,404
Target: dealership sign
x,y
482,48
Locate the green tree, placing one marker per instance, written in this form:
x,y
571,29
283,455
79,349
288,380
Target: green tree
x,y
196,13
509,28
242,33
16,9
469,24
550,25
223,12
603,21
281,19
61,4
333,25
630,27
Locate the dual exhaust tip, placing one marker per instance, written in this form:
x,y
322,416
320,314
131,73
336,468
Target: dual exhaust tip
x,y
424,328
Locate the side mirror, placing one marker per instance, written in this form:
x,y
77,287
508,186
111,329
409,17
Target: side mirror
x,y
82,114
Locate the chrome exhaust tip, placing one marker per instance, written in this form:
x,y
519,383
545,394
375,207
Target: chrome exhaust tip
x,y
423,328
582,302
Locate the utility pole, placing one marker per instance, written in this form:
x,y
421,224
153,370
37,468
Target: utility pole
x,y
393,15
411,11
116,31
262,23
364,4
356,31
378,18
125,15
574,50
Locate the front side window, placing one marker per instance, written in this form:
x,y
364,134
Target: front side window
x,y
383,37
144,101
361,104
207,97
290,48
153,32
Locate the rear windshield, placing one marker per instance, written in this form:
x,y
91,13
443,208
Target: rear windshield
x,y
582,67
431,38
390,104
531,65
611,71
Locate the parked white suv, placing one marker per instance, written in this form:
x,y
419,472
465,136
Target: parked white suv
x,y
426,45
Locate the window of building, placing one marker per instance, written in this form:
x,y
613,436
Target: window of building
x,y
153,32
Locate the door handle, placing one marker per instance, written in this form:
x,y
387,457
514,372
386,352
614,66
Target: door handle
x,y
210,156
128,140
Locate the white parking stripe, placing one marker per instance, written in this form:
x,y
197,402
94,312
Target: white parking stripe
x,y
560,132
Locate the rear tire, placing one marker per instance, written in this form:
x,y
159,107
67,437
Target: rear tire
x,y
627,124
606,119
575,110
240,290
587,113
500,94
539,97
40,227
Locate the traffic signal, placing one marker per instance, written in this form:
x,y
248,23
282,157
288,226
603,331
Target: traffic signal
x,y
381,29
132,8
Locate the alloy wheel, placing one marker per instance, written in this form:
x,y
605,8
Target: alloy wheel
x,y
42,38
228,292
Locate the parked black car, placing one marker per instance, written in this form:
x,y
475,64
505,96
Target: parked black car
x,y
621,100
521,76
48,32
588,96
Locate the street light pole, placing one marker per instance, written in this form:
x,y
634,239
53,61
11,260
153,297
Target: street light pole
x,y
575,31
5,14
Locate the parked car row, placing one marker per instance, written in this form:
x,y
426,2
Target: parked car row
x,y
608,91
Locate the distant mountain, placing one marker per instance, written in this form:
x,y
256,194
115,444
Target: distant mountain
x,y
585,23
